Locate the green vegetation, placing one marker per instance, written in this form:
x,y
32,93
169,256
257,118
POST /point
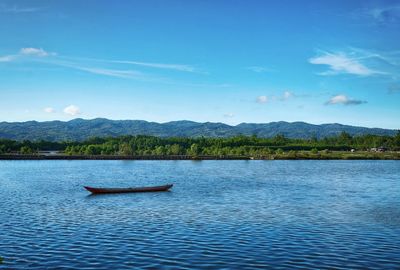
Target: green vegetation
x,y
29,147
80,130
278,147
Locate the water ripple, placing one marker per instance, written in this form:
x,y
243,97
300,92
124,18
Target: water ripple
x,y
219,215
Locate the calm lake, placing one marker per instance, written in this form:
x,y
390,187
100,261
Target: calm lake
x,y
219,214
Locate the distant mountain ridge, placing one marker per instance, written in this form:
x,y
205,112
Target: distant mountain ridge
x,y
81,129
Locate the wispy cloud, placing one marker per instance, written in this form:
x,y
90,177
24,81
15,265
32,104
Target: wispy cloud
x,y
286,95
391,58
342,63
113,72
95,66
36,52
229,115
126,74
40,55
262,99
26,52
7,58
49,110
72,110
344,100
168,66
259,69
177,67
16,9
385,14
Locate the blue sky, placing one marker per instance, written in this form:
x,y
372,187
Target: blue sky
x,y
218,61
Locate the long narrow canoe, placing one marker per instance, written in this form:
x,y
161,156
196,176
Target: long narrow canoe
x,y
128,190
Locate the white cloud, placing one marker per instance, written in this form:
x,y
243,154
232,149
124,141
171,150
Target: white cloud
x,y
259,69
16,9
272,98
178,67
86,64
112,72
102,71
35,52
131,74
386,14
229,115
262,99
49,110
72,110
26,52
341,63
343,99
7,58
287,95
30,54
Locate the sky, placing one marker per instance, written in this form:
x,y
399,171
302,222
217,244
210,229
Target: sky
x,y
207,61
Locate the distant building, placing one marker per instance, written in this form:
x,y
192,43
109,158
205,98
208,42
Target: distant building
x,y
382,149
49,153
379,149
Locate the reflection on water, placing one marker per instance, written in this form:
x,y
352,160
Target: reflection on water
x,y
219,214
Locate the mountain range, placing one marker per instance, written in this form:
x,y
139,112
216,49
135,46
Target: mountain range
x,y
81,129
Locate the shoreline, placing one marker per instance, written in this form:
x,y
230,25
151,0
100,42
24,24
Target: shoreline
x,y
333,156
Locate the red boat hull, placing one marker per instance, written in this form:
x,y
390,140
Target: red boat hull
x,y
128,190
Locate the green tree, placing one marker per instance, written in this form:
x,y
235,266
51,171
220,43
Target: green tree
x,y
92,150
194,149
159,150
26,150
125,149
279,139
2,149
396,139
345,138
175,149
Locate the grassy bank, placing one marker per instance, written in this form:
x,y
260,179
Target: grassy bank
x,y
342,146
290,155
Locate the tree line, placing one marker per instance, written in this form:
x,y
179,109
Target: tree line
x,y
238,145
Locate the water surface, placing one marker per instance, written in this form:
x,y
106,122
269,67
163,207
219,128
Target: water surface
x,y
219,214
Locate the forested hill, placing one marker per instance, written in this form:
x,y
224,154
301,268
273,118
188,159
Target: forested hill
x,y
80,129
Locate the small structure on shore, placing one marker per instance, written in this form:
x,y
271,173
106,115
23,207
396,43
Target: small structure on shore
x,y
379,149
49,153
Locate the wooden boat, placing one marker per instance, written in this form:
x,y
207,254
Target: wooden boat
x,y
128,190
